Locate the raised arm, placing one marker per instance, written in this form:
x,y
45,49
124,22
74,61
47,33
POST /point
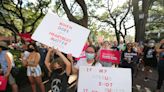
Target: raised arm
x,y
74,69
66,61
47,59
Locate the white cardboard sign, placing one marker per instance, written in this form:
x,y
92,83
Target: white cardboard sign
x,y
102,79
67,36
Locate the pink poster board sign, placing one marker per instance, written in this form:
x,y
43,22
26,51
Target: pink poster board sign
x,y
110,56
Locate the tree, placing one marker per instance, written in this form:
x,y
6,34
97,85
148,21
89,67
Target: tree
x,y
156,17
140,13
82,21
115,18
5,32
20,16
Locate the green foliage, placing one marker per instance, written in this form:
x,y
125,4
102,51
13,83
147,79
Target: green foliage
x,y
105,16
22,16
156,17
16,55
74,8
114,17
5,32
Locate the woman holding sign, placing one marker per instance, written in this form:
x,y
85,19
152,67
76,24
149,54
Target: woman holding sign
x,y
105,46
127,57
90,60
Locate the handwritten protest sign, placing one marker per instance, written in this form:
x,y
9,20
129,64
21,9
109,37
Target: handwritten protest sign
x,y
110,56
96,79
82,55
67,36
130,55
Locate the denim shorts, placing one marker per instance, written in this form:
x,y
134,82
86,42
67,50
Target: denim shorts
x,y
11,80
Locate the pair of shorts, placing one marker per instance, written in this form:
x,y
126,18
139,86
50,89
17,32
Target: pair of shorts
x,y
34,71
11,80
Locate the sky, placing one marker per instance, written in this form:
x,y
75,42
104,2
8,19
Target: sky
x,y
130,22
100,11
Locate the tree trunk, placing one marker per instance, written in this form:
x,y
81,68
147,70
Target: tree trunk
x,y
117,36
136,19
145,8
140,23
83,21
124,39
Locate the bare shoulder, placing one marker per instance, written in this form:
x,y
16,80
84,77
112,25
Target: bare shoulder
x,y
37,54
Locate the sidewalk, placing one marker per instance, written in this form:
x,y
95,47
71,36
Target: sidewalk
x,y
146,86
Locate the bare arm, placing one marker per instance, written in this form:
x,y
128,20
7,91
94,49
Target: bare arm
x,y
24,60
9,63
66,61
159,50
74,70
47,60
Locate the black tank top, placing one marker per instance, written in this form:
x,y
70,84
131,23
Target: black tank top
x,y
59,81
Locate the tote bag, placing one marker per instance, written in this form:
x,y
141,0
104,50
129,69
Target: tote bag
x,y
3,83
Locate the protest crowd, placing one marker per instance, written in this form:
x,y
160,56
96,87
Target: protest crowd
x,y
43,63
